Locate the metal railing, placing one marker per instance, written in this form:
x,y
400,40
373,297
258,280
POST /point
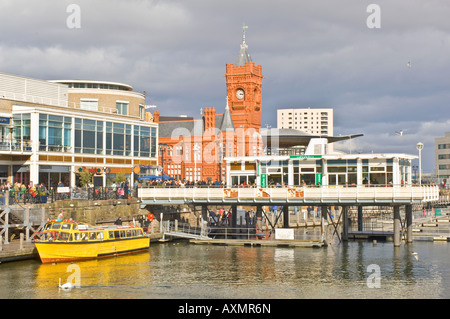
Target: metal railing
x,y
300,194
53,194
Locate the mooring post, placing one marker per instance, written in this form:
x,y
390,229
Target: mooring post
x,y
324,223
205,213
345,223
397,226
285,216
409,222
360,218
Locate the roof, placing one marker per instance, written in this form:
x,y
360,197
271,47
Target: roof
x,y
181,128
290,137
244,55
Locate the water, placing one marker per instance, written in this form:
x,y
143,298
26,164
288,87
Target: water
x,y
179,270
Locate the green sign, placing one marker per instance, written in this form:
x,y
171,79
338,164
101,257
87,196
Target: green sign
x,y
305,156
263,180
318,178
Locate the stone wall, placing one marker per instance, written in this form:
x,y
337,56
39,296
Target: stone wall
x,y
95,212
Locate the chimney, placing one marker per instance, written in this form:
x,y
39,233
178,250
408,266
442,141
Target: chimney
x,y
156,116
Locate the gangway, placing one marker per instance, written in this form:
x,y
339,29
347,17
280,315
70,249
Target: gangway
x,y
175,229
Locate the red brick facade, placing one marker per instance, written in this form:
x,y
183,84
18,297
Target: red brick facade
x,y
246,108
216,135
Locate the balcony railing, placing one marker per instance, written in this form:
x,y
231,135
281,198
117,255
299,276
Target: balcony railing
x,y
324,194
15,146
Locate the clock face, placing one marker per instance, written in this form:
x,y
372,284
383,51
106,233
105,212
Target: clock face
x,y
240,94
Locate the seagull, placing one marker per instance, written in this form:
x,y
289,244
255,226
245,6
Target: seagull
x,y
409,64
399,132
416,255
66,286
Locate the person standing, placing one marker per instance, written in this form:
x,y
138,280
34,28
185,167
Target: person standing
x,y
118,221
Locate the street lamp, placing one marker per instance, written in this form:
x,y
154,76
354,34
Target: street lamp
x,y
196,149
419,146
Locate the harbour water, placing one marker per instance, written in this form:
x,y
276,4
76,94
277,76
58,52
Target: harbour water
x,y
179,270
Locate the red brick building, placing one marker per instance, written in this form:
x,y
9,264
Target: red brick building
x,y
193,149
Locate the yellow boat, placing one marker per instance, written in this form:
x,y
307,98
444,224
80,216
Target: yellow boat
x,y
63,241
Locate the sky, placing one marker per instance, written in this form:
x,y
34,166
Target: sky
x,y
382,68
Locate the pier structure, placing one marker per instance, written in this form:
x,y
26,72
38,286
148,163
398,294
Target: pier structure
x,y
398,197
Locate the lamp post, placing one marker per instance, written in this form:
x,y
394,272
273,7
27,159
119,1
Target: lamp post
x,y
196,149
162,148
419,146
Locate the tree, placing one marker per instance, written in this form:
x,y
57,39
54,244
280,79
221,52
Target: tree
x,y
119,178
85,178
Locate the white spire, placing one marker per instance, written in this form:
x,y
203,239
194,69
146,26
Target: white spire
x,y
243,33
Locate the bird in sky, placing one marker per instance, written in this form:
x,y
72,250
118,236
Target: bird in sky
x,y
409,64
399,132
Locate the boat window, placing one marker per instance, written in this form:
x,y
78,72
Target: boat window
x,y
63,236
65,226
116,234
122,234
140,233
111,234
70,237
100,235
134,232
47,226
76,236
92,236
84,236
56,225
75,226
128,233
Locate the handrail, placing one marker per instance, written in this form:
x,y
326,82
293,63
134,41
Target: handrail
x,y
318,194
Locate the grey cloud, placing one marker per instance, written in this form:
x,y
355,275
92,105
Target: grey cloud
x,y
313,53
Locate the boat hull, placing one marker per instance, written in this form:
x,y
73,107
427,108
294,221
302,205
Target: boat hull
x,y
52,252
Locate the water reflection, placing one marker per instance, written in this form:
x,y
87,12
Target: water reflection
x,y
179,270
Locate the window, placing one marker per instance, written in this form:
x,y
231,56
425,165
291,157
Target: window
x,y
88,136
54,132
122,108
22,124
89,104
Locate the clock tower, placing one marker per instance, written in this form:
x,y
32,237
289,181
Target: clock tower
x,y
244,80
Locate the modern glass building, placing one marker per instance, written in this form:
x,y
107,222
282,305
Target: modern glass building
x,y
314,170
47,139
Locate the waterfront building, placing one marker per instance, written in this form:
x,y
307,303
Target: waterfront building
x,y
193,149
442,156
53,130
317,121
316,166
312,121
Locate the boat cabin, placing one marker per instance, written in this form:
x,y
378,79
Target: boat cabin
x,y
69,231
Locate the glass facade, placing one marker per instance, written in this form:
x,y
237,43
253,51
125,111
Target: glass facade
x,y
22,127
54,133
333,172
88,136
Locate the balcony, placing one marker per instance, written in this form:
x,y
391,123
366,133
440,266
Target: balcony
x,y
19,146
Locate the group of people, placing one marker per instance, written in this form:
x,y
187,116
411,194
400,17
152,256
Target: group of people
x,y
21,192
144,221
223,218
182,183
123,189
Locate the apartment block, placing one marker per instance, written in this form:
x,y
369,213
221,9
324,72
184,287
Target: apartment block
x,y
315,121
442,155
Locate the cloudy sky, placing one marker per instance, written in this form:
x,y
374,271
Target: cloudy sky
x,y
313,54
